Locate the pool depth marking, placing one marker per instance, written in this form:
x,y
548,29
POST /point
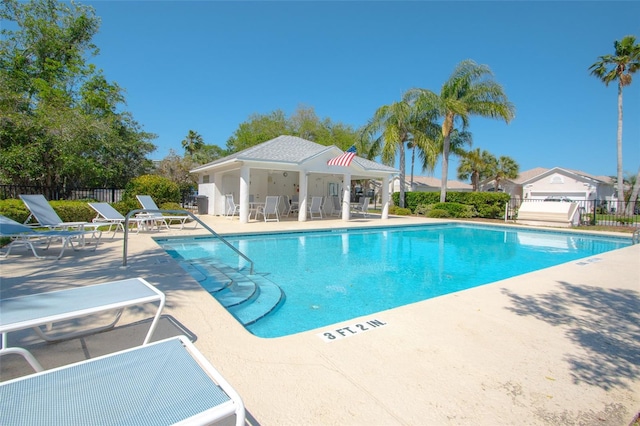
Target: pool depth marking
x,y
350,330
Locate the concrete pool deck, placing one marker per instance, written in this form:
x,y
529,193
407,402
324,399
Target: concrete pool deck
x,y
560,346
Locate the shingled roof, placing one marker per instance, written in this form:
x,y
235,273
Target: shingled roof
x,y
290,150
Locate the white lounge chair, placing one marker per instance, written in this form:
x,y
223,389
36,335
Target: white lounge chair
x,y
37,310
166,382
231,208
46,217
107,215
270,209
154,213
362,207
23,235
315,209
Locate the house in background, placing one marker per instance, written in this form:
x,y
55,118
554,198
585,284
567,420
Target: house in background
x,y
287,166
558,183
430,184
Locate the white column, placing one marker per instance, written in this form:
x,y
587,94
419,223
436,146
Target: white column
x,y
245,174
346,196
302,197
219,201
385,188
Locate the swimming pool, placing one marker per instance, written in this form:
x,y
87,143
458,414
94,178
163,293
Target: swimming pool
x,y
331,276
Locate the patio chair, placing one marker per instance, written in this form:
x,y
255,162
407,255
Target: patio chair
x,y
153,212
295,203
23,235
107,215
287,205
46,217
337,206
164,382
270,209
315,209
231,208
363,207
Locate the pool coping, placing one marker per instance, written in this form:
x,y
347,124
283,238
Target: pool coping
x,y
489,355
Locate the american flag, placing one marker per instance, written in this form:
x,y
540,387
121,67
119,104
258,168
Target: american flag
x,y
343,159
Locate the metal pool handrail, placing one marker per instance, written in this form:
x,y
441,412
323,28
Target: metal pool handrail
x,y
183,212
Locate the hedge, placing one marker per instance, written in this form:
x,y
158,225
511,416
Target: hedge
x,y
69,211
488,205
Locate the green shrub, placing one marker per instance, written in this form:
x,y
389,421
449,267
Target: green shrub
x,y
438,213
456,210
161,189
14,209
69,211
488,205
125,206
400,211
73,211
423,209
171,206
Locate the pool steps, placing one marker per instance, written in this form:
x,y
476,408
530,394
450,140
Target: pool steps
x,y
247,297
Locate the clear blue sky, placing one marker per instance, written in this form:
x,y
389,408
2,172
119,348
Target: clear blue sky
x,y
208,65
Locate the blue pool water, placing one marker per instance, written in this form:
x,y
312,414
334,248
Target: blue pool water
x,y
333,276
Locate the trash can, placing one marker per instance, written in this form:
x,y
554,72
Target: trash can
x,y
203,204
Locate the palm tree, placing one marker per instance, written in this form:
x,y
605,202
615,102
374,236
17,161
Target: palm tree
x,y
193,142
619,66
458,140
475,165
469,91
635,191
428,154
504,168
396,124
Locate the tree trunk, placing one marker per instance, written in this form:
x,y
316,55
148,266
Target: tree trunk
x,y
402,173
621,204
445,169
447,127
413,157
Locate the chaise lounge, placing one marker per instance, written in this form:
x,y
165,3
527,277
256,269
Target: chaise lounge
x,y
154,213
45,216
26,236
166,382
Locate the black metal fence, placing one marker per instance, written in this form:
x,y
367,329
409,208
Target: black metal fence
x,y
106,195
592,212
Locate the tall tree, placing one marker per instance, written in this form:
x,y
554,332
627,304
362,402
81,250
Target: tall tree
x,y
60,123
635,191
176,169
303,123
391,128
475,165
619,67
504,168
469,91
193,142
207,154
